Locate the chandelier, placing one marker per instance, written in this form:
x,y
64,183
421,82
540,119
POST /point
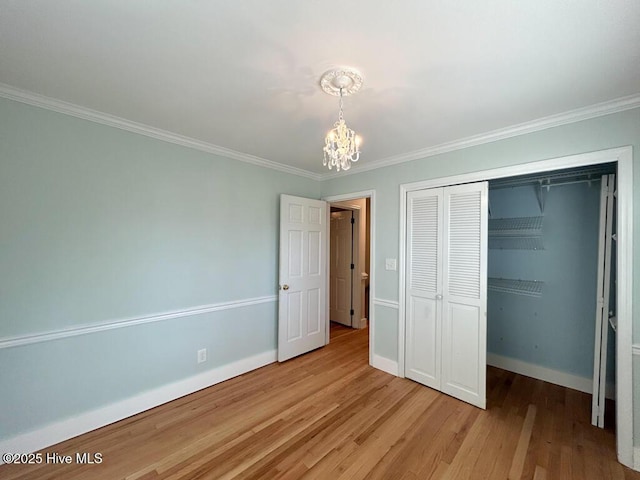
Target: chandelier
x,y
341,145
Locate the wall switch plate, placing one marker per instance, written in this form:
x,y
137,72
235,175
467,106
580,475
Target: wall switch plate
x,y
202,355
390,264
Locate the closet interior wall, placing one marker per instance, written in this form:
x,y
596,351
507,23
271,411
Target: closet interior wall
x,y
541,299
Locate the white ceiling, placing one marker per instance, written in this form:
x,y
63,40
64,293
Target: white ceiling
x,y
244,74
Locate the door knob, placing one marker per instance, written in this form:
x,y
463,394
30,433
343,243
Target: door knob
x,y
285,287
439,296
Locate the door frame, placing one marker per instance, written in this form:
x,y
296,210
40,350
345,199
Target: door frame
x,y
356,280
623,156
371,195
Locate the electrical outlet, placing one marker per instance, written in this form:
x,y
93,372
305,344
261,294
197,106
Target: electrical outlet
x,y
390,264
202,355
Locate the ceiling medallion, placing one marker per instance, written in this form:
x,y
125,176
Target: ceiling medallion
x,y
342,145
347,79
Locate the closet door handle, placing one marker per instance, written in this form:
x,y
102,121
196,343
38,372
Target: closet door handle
x,y
439,296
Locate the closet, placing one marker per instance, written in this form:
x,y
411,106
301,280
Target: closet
x,y
525,250
546,255
541,300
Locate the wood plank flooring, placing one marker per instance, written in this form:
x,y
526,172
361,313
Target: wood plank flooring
x,y
328,415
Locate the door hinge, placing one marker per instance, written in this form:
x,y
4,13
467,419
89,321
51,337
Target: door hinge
x,y
352,266
352,312
353,220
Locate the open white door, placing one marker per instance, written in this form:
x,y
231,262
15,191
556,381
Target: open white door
x,y
340,270
446,296
303,278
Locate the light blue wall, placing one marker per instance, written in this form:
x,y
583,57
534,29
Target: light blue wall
x,y
58,379
555,330
98,224
595,134
386,327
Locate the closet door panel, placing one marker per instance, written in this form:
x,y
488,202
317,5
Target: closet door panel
x,y
423,359
464,302
462,346
424,287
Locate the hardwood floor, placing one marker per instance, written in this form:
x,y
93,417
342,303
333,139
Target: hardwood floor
x,y
328,415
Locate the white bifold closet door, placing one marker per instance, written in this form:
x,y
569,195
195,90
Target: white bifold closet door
x,y
446,290
605,239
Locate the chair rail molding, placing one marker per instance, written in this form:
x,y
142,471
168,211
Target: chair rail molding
x,y
73,331
386,303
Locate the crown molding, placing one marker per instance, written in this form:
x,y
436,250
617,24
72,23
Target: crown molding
x,y
60,106
584,113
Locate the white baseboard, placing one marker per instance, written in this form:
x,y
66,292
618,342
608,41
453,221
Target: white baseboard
x,y
636,458
582,384
85,422
384,364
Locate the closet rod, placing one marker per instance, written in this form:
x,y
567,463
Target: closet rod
x,y
549,185
539,183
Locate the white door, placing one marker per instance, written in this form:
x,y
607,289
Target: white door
x,y
607,199
424,287
464,296
303,279
447,290
340,271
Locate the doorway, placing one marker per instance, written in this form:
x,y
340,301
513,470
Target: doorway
x,y
349,246
344,266
350,288
623,159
